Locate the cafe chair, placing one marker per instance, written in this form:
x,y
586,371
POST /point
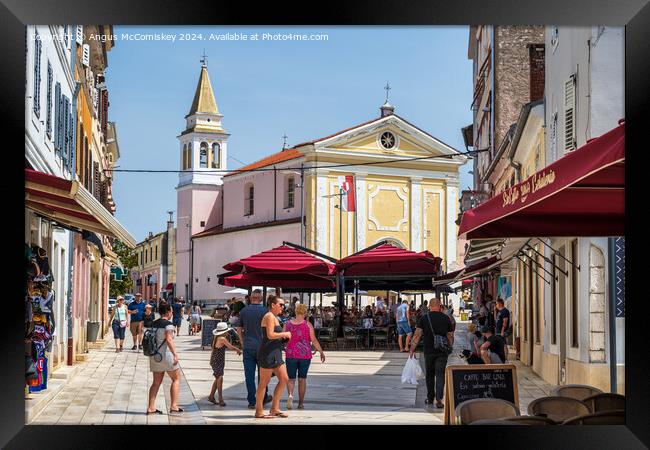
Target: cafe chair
x,y
599,418
558,409
605,402
328,336
498,422
350,335
530,420
577,391
485,408
380,335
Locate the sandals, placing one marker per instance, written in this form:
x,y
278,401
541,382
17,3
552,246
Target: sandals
x,y
301,406
176,411
212,400
265,416
222,403
279,414
149,413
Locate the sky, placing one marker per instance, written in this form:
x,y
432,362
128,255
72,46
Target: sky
x,y
266,88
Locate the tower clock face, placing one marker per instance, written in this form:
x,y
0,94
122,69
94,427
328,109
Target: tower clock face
x,y
388,140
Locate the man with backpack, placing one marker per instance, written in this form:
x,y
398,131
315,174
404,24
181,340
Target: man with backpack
x,y
436,330
158,344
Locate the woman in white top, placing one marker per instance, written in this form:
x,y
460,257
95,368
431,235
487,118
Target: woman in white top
x,y
165,360
195,318
119,323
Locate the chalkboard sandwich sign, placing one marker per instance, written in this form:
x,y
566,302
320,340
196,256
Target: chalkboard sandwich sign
x,y
207,326
467,382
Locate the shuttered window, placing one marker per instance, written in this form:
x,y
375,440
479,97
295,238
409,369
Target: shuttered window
x,y
65,119
71,140
57,117
97,183
48,98
569,114
37,75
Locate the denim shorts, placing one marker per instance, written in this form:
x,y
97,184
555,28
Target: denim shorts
x,y
118,331
299,366
403,328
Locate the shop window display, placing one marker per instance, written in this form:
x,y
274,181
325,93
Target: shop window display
x,y
39,317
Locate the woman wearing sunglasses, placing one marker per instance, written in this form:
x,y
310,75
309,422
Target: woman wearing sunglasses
x,y
269,359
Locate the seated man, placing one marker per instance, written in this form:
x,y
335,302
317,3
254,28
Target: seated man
x,y
493,350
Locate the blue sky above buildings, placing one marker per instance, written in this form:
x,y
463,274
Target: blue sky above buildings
x,y
264,89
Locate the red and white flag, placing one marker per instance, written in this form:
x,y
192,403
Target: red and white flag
x,y
350,201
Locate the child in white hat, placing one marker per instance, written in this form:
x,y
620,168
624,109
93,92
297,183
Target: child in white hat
x,y
220,342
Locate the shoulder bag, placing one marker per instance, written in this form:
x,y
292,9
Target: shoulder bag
x,y
440,342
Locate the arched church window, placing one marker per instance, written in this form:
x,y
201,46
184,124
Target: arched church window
x,y
290,196
203,156
216,155
249,199
184,161
394,242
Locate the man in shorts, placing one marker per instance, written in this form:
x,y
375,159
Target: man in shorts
x,y
136,311
177,318
402,316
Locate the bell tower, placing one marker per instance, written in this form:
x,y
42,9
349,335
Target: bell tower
x,y
203,156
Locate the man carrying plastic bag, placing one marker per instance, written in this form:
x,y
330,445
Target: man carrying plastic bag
x,y
412,371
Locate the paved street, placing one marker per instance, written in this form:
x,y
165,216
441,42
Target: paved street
x,y
351,387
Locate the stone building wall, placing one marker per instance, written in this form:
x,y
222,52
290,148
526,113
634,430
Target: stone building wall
x,y
512,74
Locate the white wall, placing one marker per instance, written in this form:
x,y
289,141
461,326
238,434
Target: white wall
x,y
213,252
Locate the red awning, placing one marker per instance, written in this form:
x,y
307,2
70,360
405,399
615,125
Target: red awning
x,y
581,194
70,204
283,259
284,281
387,259
468,272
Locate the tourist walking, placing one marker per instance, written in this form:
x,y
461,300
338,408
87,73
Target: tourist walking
x,y
164,361
269,358
249,331
195,317
118,323
148,317
502,318
136,310
220,342
402,316
493,350
177,315
433,328
298,353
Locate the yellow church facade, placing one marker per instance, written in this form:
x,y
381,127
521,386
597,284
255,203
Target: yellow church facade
x,y
406,190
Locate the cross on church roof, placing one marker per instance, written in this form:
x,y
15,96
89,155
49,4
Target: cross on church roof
x,y
284,143
387,88
204,60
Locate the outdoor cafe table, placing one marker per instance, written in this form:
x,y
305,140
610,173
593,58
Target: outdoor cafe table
x,y
369,330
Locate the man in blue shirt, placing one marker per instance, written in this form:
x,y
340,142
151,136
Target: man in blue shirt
x,y
250,322
177,320
136,311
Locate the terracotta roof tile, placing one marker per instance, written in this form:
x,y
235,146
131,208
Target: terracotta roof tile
x,y
284,155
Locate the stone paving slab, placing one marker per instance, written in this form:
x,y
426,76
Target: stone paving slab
x,y
351,387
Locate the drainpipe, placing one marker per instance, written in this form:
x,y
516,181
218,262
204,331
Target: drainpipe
x,y
492,105
68,306
192,268
275,194
612,314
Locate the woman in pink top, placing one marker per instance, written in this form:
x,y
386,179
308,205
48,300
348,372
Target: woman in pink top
x,y
298,353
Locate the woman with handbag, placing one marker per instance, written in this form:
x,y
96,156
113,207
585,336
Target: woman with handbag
x,y
119,323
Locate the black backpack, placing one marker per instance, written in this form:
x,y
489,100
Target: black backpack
x,y
150,345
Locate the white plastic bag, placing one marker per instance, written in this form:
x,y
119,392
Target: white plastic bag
x,y
412,371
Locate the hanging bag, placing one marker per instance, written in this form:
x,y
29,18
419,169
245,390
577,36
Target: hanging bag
x,y
440,343
412,372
